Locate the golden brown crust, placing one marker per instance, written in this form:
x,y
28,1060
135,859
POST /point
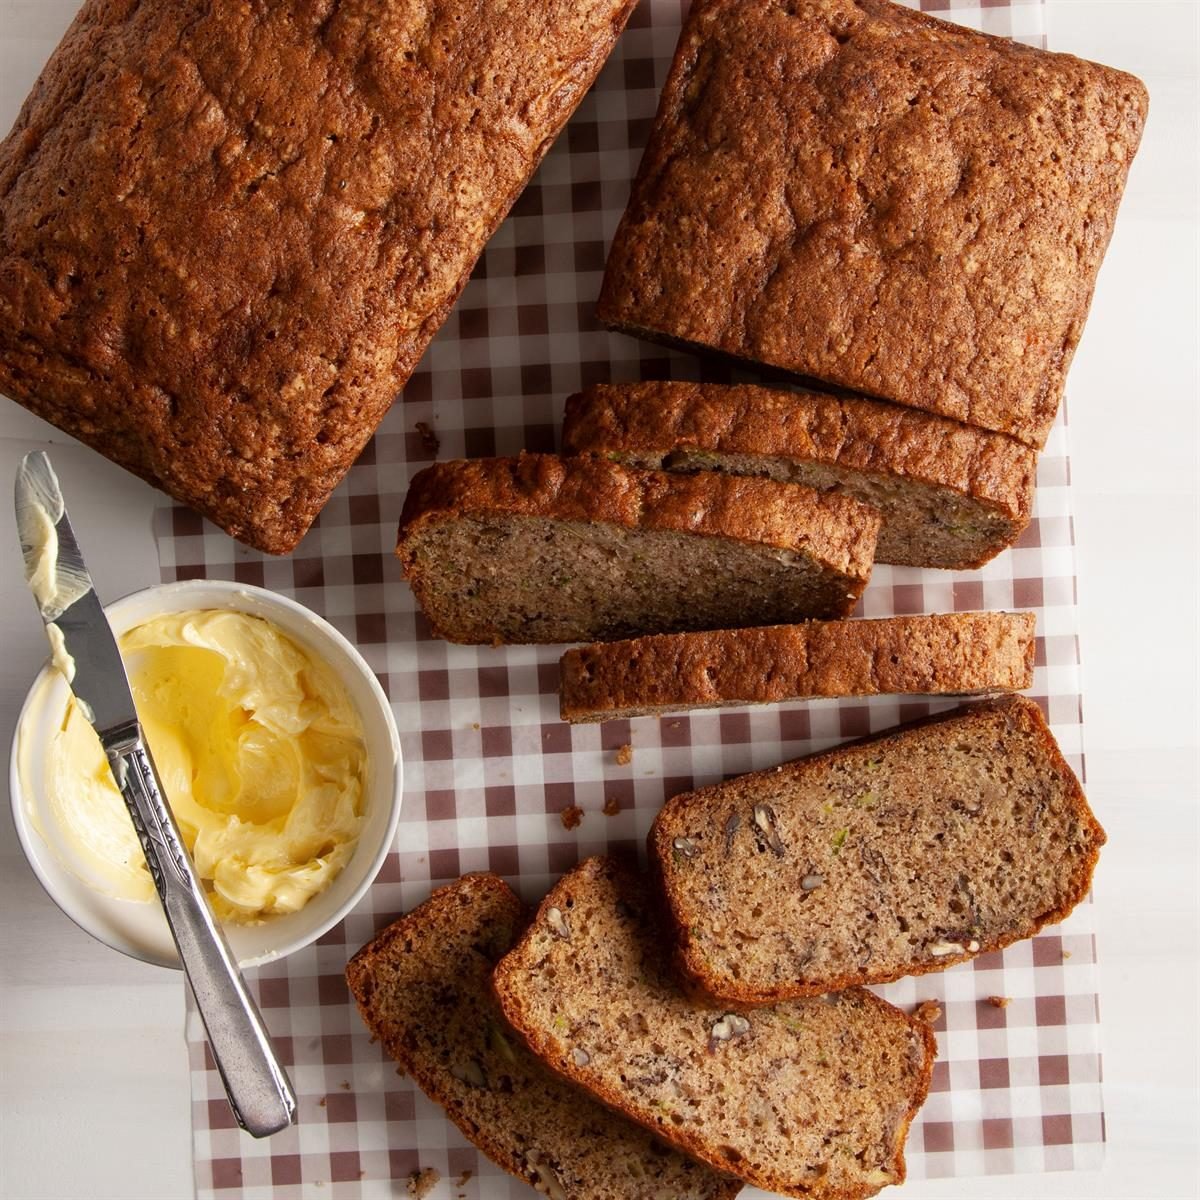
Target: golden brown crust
x,y
506,981
230,230
847,431
917,211
954,653
1020,711
835,530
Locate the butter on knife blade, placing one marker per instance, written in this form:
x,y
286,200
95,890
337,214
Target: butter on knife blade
x,y
39,506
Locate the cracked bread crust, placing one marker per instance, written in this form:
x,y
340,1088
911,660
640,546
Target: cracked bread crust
x,y
813,1098
422,986
789,528
928,475
948,653
898,854
865,195
228,231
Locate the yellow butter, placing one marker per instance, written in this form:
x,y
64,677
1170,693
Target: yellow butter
x,y
262,759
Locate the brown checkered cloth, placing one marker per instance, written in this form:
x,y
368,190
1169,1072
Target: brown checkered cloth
x,y
488,766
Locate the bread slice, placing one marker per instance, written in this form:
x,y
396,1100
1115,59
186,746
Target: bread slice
x,y
544,549
896,855
951,495
422,987
948,653
812,1098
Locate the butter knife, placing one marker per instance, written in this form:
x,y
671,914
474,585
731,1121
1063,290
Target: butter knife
x,y
84,649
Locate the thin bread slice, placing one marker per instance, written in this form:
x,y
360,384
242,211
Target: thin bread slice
x,y
544,549
947,653
423,988
812,1098
951,495
897,855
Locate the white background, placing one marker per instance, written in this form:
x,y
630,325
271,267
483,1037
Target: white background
x,y
93,1074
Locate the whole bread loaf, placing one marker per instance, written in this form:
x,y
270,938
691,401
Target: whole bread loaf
x,y
865,195
423,988
812,1098
228,231
544,549
951,495
897,855
949,653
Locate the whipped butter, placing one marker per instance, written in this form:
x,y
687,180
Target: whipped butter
x,y
261,755
55,586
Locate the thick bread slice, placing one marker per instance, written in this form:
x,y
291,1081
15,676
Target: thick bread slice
x,y
897,855
423,989
948,653
544,549
812,1098
951,495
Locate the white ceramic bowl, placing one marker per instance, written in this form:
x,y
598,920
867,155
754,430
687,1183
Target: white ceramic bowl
x,y
140,929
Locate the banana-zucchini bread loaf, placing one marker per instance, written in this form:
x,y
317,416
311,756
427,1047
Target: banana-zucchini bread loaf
x,y
865,195
546,549
897,855
947,653
229,230
951,495
423,987
812,1098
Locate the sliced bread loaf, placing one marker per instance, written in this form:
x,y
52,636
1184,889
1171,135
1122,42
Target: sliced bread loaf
x,y
951,495
812,1098
950,653
422,987
544,549
896,855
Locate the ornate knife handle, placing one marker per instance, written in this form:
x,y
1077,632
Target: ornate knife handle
x,y
258,1088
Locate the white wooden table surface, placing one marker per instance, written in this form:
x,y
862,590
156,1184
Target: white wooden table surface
x,y
93,1078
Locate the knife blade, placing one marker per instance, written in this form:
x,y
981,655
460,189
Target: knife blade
x,y
84,649
83,644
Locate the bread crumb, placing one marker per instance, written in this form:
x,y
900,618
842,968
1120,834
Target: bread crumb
x,y
929,1011
324,1100
461,1181
344,1085
571,816
612,806
999,1001
429,439
474,724
624,755
422,1182
1066,954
